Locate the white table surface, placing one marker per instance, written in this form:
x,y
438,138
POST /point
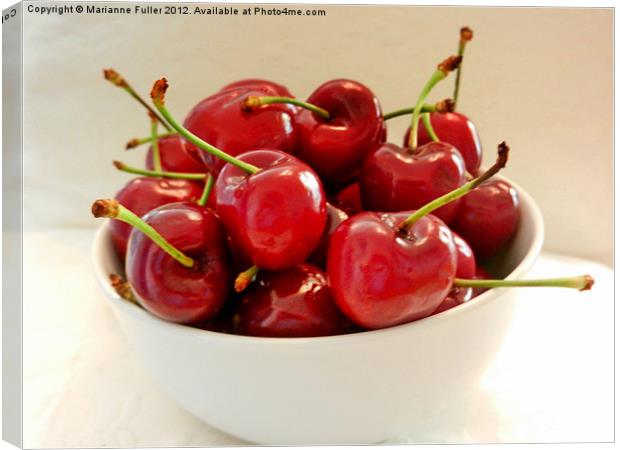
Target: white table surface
x,y
552,381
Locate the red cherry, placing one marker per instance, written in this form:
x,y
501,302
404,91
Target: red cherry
x,y
279,90
466,261
349,199
336,147
456,129
165,287
177,155
488,217
143,194
335,217
394,179
293,303
276,215
381,277
222,121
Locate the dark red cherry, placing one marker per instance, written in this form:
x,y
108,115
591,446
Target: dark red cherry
x,y
177,156
335,216
222,121
277,215
293,303
456,129
278,89
165,287
381,276
336,147
349,199
143,194
488,217
393,179
466,261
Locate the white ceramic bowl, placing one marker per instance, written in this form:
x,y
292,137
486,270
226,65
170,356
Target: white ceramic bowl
x,y
353,389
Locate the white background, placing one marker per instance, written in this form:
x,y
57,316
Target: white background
x,y
541,79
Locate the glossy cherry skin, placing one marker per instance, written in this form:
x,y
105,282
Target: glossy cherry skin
x,y
349,199
278,89
335,148
335,216
488,217
275,216
222,121
177,156
143,194
456,129
380,278
466,261
393,179
162,285
293,303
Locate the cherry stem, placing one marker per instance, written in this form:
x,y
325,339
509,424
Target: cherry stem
x,y
426,120
502,158
466,35
442,106
583,283
202,201
139,141
122,288
244,279
253,102
155,145
158,173
112,209
442,71
157,94
116,79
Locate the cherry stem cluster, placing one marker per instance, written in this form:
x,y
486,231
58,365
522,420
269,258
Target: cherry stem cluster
x,y
253,102
157,94
500,163
442,71
116,79
112,209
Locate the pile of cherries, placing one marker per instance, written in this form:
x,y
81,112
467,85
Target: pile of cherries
x,y
266,215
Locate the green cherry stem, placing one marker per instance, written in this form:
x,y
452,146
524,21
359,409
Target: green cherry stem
x,y
583,283
442,106
502,158
426,120
157,94
253,102
202,201
112,209
466,35
155,144
245,278
442,71
135,142
158,173
117,80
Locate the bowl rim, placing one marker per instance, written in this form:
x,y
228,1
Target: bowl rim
x,y
142,315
